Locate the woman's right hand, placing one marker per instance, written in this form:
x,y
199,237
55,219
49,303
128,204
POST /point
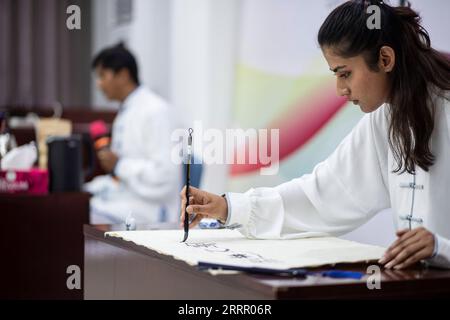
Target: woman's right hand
x,y
204,205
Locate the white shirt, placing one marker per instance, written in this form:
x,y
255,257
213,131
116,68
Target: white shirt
x,y
147,178
351,186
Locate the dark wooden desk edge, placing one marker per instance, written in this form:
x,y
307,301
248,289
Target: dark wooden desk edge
x,y
228,280
245,281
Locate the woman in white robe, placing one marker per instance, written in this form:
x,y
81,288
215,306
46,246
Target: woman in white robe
x,y
400,82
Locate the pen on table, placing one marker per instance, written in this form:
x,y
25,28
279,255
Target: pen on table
x,y
289,272
188,172
296,272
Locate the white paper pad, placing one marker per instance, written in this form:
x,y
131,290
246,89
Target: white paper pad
x,y
229,247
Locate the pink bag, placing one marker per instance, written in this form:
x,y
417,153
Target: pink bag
x,y
33,181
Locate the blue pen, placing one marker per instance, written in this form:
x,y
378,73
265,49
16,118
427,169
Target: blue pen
x,y
340,274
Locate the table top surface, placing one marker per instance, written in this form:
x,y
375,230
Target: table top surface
x,y
394,282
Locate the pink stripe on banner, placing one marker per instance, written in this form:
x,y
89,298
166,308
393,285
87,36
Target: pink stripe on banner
x,y
299,124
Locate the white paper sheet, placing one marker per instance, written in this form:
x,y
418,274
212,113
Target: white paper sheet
x,y
229,247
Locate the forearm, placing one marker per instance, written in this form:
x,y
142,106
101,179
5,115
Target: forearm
x,y
283,212
153,180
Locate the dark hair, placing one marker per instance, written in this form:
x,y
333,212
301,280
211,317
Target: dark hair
x,y
417,67
117,58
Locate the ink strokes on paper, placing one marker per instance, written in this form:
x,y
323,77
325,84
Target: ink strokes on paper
x,y
234,255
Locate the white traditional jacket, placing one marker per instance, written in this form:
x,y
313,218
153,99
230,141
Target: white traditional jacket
x,y
352,185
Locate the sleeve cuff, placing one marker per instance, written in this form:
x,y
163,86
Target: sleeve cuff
x,y
436,246
228,211
239,209
441,253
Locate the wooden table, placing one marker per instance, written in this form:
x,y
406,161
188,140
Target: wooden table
x,y
117,269
40,237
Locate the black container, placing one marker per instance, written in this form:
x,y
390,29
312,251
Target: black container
x,y
65,163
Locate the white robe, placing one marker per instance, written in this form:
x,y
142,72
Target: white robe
x,y
147,178
351,186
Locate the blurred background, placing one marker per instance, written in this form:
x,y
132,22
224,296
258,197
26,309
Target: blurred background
x,y
226,63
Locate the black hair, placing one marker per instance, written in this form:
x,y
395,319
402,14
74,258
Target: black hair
x,y
417,67
117,58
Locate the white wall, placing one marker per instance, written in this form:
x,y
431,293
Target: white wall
x,y
378,231
150,39
104,33
435,19
147,36
202,69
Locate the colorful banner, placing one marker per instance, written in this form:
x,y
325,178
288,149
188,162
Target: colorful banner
x,y
283,82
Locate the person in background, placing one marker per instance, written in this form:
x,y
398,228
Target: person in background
x,y
141,180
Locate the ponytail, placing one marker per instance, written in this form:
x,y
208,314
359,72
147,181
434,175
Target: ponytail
x,y
418,68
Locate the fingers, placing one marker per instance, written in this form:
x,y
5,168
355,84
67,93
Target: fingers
x,y
401,232
406,238
183,192
199,203
199,208
194,191
395,250
196,220
183,208
422,254
183,204
411,247
199,195
403,235
183,200
406,253
103,154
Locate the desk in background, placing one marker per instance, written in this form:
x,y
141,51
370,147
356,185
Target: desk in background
x,y
40,237
81,117
117,269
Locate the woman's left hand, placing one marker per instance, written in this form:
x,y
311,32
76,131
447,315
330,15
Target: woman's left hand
x,y
410,247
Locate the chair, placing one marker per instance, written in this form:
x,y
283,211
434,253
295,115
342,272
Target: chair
x,y
195,174
195,180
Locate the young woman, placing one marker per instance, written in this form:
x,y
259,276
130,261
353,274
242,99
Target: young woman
x,y
398,156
